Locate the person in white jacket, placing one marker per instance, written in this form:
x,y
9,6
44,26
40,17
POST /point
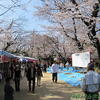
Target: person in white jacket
x,y
91,84
55,68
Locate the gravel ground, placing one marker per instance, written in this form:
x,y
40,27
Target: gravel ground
x,y
47,91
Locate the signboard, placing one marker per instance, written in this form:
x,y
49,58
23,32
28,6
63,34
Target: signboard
x,y
81,59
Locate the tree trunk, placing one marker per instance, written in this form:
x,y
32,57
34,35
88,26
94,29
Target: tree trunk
x,y
98,49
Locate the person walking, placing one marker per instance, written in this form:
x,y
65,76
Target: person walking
x,y
17,77
8,90
31,74
91,84
55,68
11,69
39,75
45,68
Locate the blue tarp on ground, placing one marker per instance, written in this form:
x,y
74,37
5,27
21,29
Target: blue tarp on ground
x,y
69,76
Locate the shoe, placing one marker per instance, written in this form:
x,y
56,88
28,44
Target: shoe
x,y
56,82
33,92
18,90
29,90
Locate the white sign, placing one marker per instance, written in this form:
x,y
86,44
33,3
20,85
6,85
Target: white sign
x,y
81,59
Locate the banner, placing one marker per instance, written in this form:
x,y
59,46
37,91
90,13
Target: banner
x,y
81,59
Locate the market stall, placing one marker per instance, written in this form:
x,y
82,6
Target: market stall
x,y
5,60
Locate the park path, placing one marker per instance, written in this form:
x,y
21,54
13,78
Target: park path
x,y
47,91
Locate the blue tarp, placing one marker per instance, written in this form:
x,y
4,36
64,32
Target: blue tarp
x,y
69,76
4,53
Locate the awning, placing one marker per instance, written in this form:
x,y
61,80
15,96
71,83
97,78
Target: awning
x,y
28,59
6,56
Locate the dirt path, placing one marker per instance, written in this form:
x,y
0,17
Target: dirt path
x,y
47,91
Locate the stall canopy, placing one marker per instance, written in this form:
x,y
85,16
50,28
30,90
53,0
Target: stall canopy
x,y
28,59
6,56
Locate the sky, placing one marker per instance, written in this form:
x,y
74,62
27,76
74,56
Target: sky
x,y
26,13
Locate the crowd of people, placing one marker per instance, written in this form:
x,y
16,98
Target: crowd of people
x,y
17,70
34,71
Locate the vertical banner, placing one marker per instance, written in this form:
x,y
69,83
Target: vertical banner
x,y
81,59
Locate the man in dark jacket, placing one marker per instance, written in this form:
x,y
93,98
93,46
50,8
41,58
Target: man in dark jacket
x,y
8,91
17,77
31,73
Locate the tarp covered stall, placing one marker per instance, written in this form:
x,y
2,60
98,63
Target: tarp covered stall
x,y
28,59
5,60
6,57
31,59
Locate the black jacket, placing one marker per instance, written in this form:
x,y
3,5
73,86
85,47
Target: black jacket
x,y
17,73
29,73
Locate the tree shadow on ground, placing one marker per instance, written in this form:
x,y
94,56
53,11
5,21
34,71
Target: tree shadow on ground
x,y
47,91
54,92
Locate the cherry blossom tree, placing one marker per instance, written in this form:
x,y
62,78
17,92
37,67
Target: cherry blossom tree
x,y
77,20
11,36
11,32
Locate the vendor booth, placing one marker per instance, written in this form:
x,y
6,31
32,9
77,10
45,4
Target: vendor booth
x,y
28,59
5,61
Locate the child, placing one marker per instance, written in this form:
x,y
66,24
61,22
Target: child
x,y
8,90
